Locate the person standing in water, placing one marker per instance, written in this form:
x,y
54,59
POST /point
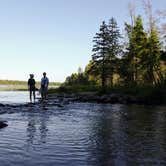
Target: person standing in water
x,y
31,87
44,86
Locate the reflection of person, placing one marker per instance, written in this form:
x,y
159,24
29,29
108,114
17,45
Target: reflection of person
x,y
31,87
44,86
34,131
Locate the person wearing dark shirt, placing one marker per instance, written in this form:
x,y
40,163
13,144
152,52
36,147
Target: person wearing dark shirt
x,y
31,87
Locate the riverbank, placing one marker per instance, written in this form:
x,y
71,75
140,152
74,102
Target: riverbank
x,y
122,95
106,98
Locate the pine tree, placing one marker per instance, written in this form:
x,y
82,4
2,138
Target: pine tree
x,y
114,47
153,61
154,45
101,49
140,48
137,49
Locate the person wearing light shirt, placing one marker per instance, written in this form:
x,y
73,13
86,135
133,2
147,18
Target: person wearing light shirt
x,y
44,86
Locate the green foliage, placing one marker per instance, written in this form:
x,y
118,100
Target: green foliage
x,y
154,47
16,82
101,49
136,50
106,50
142,60
148,94
76,89
77,78
14,85
12,82
140,70
114,49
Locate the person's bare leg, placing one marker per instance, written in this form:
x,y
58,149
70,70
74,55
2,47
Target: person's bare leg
x,y
30,95
45,93
42,94
34,97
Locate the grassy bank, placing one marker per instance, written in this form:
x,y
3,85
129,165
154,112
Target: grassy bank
x,y
144,93
75,89
9,85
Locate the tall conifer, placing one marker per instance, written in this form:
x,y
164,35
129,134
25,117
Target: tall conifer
x,y
100,49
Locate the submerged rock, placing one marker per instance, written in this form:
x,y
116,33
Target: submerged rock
x,y
2,105
3,124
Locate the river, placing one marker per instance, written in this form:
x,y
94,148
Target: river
x,y
80,134
14,97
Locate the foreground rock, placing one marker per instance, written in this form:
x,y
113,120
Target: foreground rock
x,y
3,124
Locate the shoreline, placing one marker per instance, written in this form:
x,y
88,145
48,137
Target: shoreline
x,y
62,98
114,98
141,94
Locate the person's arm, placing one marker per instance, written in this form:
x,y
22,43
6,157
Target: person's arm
x,y
48,81
41,81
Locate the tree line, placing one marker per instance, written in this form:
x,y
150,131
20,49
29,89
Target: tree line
x,y
136,59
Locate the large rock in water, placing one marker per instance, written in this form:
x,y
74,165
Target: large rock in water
x,y
3,124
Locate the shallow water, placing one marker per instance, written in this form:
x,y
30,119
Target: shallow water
x,y
83,134
11,97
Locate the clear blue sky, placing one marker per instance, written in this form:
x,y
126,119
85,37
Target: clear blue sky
x,y
54,36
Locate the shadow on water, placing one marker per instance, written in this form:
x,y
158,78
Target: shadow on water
x,y
128,135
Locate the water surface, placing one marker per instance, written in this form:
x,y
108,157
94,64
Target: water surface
x,y
15,97
83,134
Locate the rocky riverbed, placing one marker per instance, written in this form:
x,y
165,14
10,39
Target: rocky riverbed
x,y
62,99
113,98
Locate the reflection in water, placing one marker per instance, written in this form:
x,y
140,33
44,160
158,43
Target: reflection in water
x,y
107,137
37,127
143,143
31,130
84,134
128,136
160,135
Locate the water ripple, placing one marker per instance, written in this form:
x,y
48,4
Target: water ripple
x,y
85,134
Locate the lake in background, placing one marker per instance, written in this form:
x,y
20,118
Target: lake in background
x,y
80,134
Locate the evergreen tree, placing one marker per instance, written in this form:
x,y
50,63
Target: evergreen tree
x,y
92,73
136,50
125,68
153,59
140,48
114,47
101,49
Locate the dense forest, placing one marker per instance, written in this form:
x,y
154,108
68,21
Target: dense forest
x,y
136,58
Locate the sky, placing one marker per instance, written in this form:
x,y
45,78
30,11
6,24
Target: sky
x,y
54,36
